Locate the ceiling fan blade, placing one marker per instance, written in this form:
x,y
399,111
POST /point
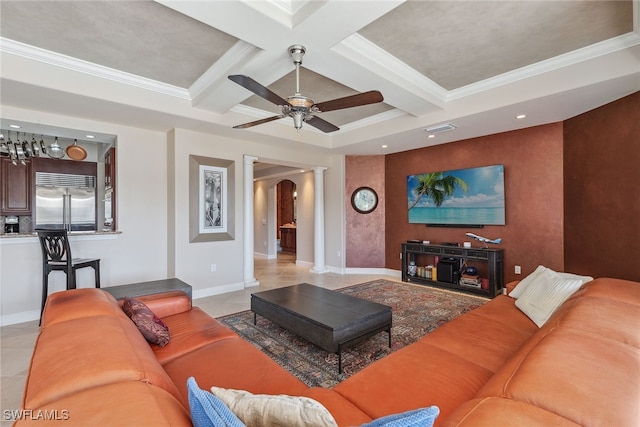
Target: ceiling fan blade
x,y
365,98
259,122
321,124
255,87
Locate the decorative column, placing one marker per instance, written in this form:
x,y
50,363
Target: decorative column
x,y
318,221
249,280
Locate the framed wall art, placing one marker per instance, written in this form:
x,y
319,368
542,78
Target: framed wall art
x,y
212,199
211,189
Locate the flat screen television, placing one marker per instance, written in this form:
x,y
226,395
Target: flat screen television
x,y
462,197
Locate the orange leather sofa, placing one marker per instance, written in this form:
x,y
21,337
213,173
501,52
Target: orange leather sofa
x,y
489,367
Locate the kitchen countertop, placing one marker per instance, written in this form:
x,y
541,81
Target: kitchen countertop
x,y
33,236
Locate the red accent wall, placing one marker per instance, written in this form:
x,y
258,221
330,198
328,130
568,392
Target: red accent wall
x,y
365,233
572,194
532,160
602,190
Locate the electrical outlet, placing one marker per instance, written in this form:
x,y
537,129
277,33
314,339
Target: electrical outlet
x,y
338,254
518,269
213,268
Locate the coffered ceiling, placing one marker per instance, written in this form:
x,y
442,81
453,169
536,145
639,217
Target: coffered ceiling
x,y
474,64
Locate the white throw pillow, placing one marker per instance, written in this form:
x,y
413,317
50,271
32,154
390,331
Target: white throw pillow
x,y
583,279
541,299
540,273
544,273
256,410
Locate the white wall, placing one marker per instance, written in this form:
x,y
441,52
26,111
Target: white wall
x,y
263,223
334,214
305,218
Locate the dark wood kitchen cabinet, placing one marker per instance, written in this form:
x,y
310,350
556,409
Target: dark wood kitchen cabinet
x,y
15,188
288,239
110,189
110,168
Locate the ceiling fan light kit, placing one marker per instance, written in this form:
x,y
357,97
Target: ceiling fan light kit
x,y
298,107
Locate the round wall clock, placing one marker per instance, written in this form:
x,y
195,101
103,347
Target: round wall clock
x,y
364,200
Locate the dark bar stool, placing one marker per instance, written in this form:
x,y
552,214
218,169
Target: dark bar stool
x,y
56,256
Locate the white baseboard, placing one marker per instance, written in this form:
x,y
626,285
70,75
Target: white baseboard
x,y
251,284
304,263
336,270
380,271
370,271
217,290
264,256
21,317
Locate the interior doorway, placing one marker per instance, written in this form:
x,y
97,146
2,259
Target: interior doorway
x,y
286,216
284,195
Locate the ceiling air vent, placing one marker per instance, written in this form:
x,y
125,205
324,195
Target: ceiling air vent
x,y
440,128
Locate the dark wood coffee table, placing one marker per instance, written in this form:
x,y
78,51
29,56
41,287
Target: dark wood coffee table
x,y
329,319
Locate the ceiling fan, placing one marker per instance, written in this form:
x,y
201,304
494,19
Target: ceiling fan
x,y
299,107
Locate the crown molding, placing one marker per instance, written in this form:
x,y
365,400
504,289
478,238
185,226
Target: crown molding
x,y
63,61
287,12
251,111
595,50
362,51
371,120
369,55
239,53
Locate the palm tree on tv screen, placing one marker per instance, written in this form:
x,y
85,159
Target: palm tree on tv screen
x,y
437,186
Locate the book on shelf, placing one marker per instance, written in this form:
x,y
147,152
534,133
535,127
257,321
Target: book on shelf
x,y
471,280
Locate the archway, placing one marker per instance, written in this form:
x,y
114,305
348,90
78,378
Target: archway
x,y
261,212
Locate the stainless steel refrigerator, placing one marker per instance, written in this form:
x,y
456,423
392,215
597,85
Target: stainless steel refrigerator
x,y
65,201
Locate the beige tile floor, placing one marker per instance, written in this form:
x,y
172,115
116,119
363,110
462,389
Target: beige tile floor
x,y
17,341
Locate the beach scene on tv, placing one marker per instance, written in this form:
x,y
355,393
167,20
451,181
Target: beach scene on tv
x,y
459,197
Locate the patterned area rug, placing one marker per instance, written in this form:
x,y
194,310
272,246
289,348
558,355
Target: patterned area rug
x,y
417,310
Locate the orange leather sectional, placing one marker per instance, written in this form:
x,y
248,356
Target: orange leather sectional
x,y
489,367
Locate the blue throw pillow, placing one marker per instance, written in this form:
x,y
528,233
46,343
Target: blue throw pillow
x,y
207,410
423,417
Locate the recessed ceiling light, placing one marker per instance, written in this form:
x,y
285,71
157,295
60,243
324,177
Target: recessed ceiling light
x,y
15,126
385,146
521,116
90,136
431,136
